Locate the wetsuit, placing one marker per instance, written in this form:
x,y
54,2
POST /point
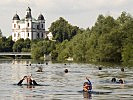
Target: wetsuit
x,y
32,82
90,85
20,82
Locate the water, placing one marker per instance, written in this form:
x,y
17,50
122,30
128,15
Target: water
x,y
58,85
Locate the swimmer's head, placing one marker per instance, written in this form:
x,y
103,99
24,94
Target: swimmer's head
x,y
100,68
86,86
39,69
24,77
122,69
121,81
85,83
66,70
113,80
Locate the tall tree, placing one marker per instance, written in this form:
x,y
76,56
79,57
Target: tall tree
x,y
18,45
62,30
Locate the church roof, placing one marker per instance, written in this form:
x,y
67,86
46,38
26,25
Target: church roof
x,y
23,20
34,20
40,17
16,17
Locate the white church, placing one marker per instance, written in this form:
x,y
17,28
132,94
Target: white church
x,y
28,27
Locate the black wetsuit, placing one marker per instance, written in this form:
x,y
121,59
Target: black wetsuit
x,y
32,82
20,82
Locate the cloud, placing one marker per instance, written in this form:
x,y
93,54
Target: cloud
x,y
78,6
69,6
82,13
5,2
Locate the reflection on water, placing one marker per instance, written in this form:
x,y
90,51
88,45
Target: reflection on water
x,y
87,95
21,62
58,85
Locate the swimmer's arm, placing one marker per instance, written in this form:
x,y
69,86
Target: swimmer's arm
x,y
34,82
20,82
88,80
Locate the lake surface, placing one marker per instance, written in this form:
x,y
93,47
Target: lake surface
x,y
58,85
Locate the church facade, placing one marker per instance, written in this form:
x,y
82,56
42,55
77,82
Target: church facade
x,y
28,27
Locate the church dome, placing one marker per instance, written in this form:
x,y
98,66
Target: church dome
x,y
16,17
40,17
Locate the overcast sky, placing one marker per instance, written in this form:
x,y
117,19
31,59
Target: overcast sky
x,y
82,13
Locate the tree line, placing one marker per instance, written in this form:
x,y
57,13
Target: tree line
x,y
109,40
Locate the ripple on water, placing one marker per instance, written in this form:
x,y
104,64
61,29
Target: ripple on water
x,y
58,85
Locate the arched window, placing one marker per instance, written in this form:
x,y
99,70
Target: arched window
x,y
14,25
42,35
28,34
42,25
28,24
38,35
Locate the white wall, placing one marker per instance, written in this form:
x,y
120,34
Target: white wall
x,y
26,28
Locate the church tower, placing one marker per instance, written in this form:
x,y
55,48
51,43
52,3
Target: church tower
x,y
28,24
28,13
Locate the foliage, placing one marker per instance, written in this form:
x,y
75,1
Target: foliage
x,y
22,45
62,30
40,48
6,44
109,40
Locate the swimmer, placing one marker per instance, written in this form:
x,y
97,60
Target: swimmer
x,y
30,81
46,63
113,80
100,68
122,69
39,69
120,81
87,87
66,70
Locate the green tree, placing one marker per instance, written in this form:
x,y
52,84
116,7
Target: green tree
x,y
9,44
40,48
127,43
36,52
100,46
62,30
6,44
26,45
18,45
